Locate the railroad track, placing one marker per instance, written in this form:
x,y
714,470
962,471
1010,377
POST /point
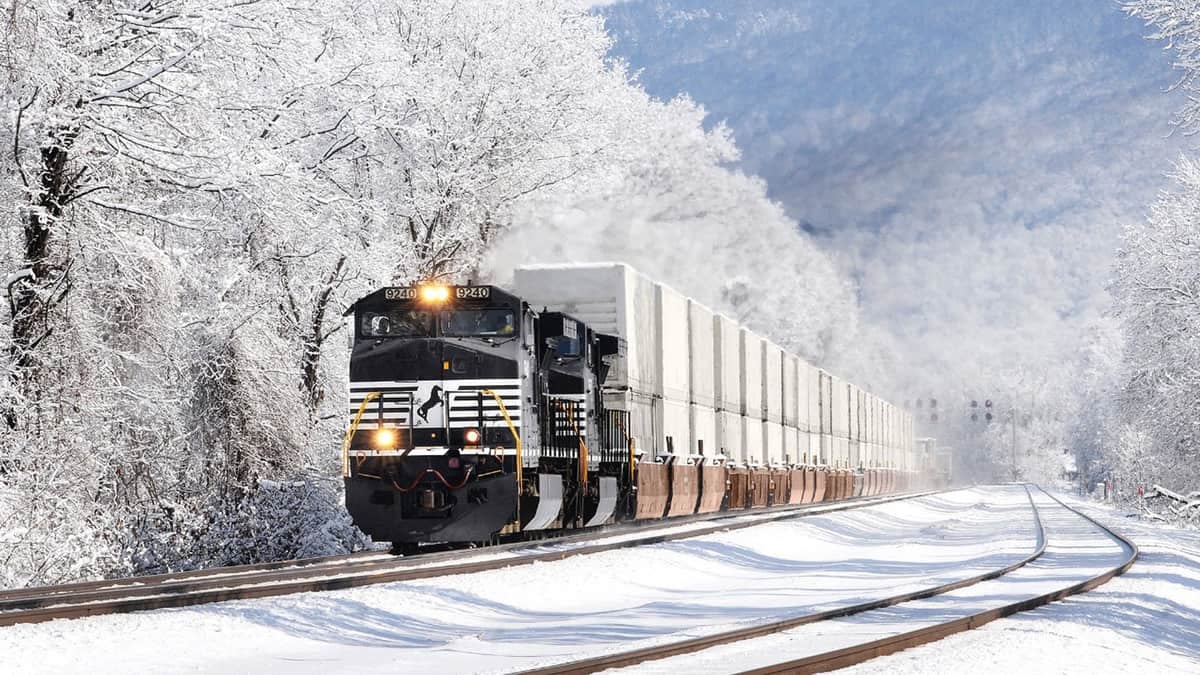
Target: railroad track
x,y
875,628
183,589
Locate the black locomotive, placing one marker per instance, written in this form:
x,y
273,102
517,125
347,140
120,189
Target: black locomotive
x,y
473,415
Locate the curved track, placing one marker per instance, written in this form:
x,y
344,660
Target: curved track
x,y
318,574
693,645
1075,554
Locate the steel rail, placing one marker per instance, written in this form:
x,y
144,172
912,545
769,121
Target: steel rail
x,y
848,656
232,573
9,598
348,571
688,646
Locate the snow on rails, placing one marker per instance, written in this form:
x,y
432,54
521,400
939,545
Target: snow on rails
x,y
1075,554
776,594
514,617
183,589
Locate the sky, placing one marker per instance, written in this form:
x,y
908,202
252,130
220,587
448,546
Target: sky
x,y
969,164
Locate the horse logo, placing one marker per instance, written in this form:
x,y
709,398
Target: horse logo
x,y
435,399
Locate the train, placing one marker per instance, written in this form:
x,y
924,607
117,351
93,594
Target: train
x,y
589,395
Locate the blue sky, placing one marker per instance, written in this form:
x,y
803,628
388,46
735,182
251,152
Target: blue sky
x,y
970,163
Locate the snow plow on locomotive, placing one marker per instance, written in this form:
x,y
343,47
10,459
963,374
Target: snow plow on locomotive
x,y
594,395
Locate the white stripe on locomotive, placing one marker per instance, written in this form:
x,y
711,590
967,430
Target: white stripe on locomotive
x,y
463,407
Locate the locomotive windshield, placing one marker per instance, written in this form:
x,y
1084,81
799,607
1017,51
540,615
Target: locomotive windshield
x,y
479,323
397,323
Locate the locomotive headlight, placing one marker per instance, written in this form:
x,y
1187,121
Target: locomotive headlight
x,y
471,437
435,294
385,439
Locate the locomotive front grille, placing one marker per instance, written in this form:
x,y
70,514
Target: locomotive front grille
x,y
405,407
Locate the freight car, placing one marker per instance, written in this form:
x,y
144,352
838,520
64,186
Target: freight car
x,y
591,395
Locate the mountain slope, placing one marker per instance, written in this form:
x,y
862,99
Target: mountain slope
x,y
970,163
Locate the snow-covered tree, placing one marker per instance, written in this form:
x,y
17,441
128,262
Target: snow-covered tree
x,y
196,189
1159,303
666,202
1177,23
1152,432
139,181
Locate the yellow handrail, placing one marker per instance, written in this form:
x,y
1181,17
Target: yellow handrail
x,y
353,428
516,435
632,449
583,449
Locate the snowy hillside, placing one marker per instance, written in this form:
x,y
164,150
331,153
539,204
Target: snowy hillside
x,y
970,163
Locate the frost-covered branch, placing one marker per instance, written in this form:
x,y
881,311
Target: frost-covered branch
x,y
213,180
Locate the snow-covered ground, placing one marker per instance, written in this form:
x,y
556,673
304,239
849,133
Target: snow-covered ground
x,y
536,614
1076,551
1147,620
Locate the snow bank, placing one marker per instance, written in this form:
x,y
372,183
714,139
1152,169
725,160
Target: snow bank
x,y
524,616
